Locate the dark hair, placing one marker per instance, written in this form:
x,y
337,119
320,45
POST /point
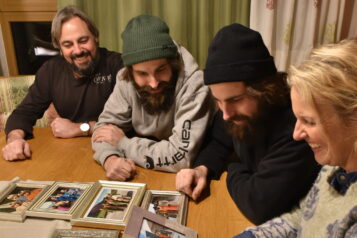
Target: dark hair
x,y
272,90
64,15
175,64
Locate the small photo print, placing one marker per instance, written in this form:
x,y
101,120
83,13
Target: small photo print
x,y
19,199
167,206
143,223
62,199
170,204
111,203
151,229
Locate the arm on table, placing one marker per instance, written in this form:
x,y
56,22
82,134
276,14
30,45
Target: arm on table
x,y
211,161
17,147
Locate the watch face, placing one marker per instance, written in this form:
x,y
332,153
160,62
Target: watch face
x,y
84,127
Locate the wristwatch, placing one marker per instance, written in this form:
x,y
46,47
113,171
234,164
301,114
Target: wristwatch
x,y
85,127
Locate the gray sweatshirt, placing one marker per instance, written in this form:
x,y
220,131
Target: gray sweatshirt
x,y
179,131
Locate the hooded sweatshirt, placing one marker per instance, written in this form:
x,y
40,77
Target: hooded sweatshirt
x,y
167,141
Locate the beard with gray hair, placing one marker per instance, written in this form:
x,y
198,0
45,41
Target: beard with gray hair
x,y
86,70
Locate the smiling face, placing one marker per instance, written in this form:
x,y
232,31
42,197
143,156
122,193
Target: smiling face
x,y
155,82
78,46
327,135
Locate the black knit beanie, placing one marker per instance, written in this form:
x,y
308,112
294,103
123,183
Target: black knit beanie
x,y
146,38
238,53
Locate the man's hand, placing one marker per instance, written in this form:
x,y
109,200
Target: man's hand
x,y
17,148
65,128
108,133
192,181
119,168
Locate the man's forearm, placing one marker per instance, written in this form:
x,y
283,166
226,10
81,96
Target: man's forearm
x,y
15,135
91,127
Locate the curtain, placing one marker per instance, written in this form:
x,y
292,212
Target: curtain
x,y
192,23
291,28
4,70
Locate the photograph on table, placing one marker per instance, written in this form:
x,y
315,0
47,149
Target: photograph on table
x,y
109,204
67,233
145,224
60,201
169,204
17,198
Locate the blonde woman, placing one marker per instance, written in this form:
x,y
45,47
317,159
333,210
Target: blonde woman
x,y
324,101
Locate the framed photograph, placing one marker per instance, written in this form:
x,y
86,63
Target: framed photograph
x,y
66,233
145,224
18,198
169,204
109,204
60,201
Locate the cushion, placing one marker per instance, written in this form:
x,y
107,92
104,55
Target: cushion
x,y
12,92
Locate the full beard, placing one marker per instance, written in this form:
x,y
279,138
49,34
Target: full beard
x,y
155,103
249,131
88,69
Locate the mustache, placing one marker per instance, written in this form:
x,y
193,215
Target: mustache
x,y
147,89
239,117
82,54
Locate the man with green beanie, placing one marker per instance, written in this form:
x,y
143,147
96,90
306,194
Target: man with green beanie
x,y
160,108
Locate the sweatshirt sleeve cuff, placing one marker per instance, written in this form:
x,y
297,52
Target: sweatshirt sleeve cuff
x,y
123,144
105,150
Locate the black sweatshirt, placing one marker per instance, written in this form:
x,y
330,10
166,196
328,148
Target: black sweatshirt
x,y
272,174
79,100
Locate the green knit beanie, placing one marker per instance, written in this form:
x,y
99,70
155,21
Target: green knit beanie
x,y
146,38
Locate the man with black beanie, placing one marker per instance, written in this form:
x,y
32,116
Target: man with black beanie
x,y
273,172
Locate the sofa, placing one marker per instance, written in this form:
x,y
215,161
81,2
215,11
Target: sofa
x,y
12,91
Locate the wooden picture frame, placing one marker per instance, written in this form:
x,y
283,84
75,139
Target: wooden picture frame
x,y
143,223
170,204
60,201
67,233
109,204
18,198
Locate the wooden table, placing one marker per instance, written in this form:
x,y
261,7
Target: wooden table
x,y
72,160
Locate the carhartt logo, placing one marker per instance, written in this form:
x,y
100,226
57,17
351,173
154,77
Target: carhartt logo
x,y
179,155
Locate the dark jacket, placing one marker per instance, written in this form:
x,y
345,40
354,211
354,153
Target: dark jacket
x,y
79,100
271,175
